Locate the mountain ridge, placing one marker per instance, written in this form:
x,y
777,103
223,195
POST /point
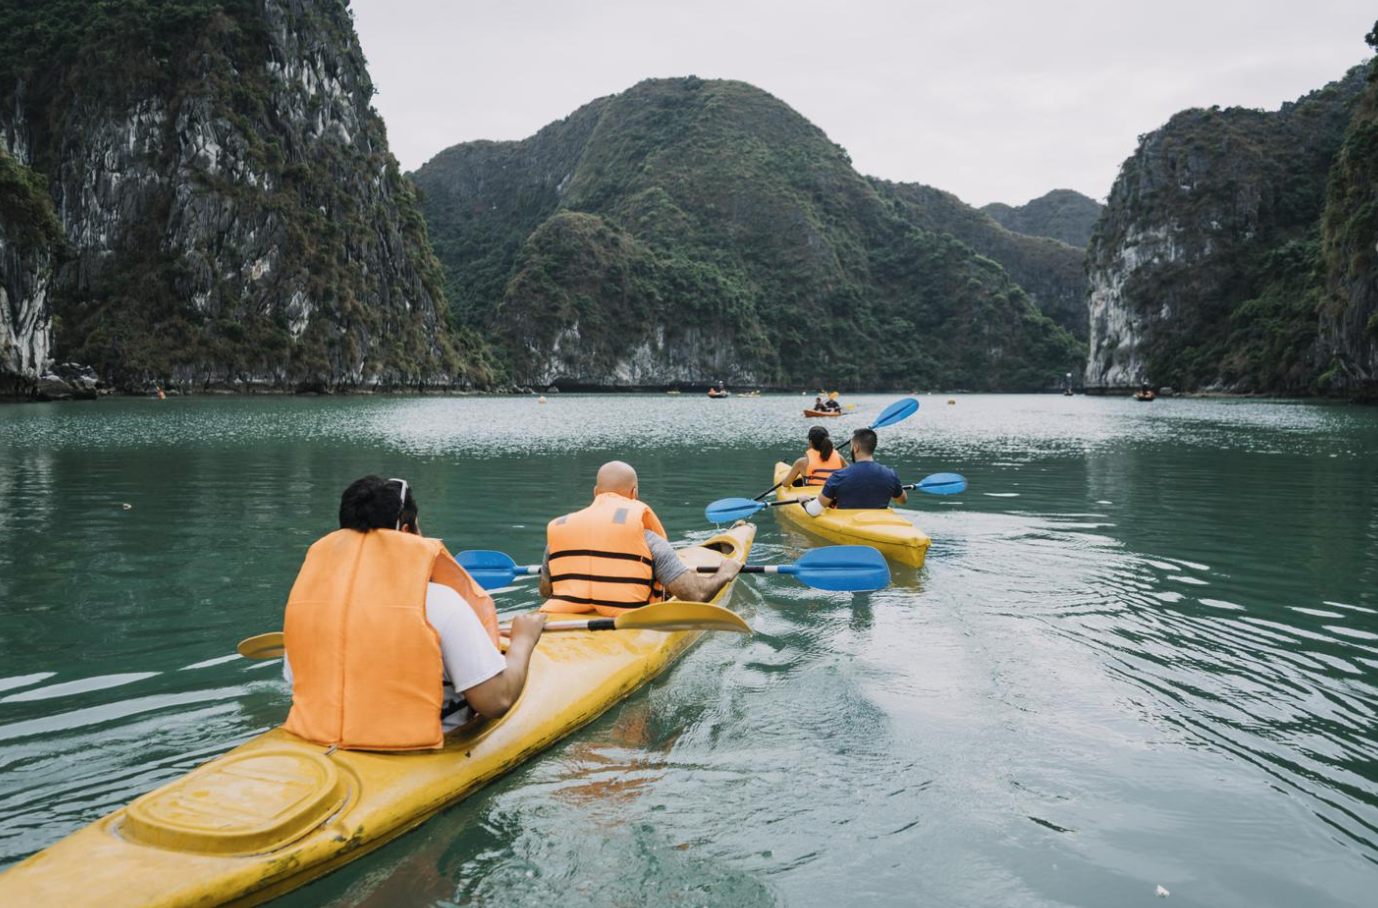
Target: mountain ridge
x,y
1062,214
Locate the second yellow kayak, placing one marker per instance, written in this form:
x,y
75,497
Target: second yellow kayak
x,y
896,538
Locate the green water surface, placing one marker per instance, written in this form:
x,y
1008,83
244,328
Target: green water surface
x,y
1143,651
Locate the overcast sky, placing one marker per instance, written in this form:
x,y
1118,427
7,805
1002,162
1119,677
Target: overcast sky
x,y
995,100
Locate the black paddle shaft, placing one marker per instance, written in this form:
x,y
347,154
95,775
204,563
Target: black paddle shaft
x,y
746,569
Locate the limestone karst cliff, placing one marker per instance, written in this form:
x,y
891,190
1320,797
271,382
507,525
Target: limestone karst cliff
x,y
688,230
230,214
1206,269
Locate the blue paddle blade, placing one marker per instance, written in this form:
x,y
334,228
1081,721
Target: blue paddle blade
x,y
490,570
727,510
943,484
900,410
844,568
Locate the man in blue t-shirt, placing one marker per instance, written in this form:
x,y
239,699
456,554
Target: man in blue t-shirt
x,y
864,484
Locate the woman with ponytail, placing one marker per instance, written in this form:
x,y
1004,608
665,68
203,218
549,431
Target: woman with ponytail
x,y
818,463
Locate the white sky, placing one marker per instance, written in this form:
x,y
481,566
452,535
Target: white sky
x,y
995,100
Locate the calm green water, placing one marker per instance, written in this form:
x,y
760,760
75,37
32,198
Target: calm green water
x,y
1144,650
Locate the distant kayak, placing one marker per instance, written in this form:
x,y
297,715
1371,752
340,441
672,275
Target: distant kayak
x,y
821,414
1144,395
717,396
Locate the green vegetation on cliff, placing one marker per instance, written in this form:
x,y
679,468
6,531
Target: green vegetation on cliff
x,y
25,206
1063,214
687,230
1049,270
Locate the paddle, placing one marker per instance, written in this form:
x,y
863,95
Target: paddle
x,y
729,510
839,568
899,411
494,569
853,566
941,484
663,616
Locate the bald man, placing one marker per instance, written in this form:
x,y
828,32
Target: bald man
x,y
614,556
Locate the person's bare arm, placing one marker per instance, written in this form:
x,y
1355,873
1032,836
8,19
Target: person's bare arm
x,y
795,471
826,501
494,697
546,588
691,586
902,497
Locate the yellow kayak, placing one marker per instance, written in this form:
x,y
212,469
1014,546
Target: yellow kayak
x,y
896,538
278,811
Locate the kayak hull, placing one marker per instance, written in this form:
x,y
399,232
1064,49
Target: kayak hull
x,y
821,414
892,535
278,811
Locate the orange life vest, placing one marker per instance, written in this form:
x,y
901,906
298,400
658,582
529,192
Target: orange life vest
x,y
599,559
366,666
820,469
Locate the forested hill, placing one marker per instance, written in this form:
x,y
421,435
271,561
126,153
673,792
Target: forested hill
x,y
1063,214
688,230
1236,252
1049,270
199,192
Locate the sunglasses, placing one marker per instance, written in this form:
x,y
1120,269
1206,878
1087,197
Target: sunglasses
x,y
402,506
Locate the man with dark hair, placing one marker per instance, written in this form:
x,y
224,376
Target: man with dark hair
x,y
865,484
390,643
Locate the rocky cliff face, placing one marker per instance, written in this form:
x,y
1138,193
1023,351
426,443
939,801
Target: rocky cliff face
x,y
1062,214
689,230
1205,269
1347,351
231,213
1049,270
